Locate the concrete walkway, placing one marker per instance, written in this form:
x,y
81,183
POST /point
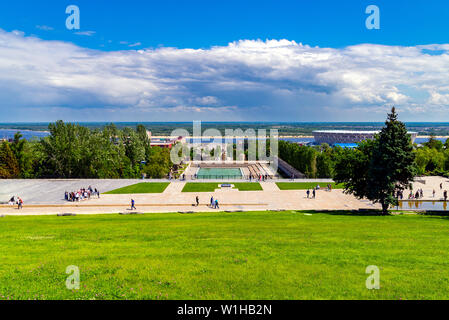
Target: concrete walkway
x,y
428,184
269,186
48,191
174,188
46,197
175,201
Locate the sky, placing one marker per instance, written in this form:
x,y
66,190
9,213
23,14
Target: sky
x,y
223,60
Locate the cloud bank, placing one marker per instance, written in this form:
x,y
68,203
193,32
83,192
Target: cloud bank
x,y
273,80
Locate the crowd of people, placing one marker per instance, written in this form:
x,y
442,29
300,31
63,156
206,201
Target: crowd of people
x,y
419,194
261,177
81,194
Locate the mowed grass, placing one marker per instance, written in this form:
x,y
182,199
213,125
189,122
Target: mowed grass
x,y
144,187
254,255
248,186
306,185
211,186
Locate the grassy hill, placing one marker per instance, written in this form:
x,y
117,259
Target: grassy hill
x,y
255,255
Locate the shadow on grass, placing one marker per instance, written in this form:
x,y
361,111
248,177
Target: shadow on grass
x,y
369,212
346,212
434,213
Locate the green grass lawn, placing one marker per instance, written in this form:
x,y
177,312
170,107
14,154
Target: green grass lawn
x,y
211,186
255,255
305,185
144,187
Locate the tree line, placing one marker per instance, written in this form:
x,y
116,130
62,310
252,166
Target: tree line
x,y
313,161
74,151
431,158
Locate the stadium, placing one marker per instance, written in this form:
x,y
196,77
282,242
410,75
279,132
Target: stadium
x,y
332,137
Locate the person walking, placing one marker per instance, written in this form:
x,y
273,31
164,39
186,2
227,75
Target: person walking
x,y
197,199
308,193
19,204
313,193
445,195
212,201
133,205
216,205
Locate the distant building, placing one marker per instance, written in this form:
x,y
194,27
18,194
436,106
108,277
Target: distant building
x,y
164,143
332,137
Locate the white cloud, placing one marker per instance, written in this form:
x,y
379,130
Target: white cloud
x,y
44,28
250,80
438,98
204,101
85,33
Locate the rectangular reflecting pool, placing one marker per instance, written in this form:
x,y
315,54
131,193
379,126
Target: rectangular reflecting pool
x,y
423,205
219,173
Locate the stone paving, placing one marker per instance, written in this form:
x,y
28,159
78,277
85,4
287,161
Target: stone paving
x,y
46,197
47,191
171,200
428,184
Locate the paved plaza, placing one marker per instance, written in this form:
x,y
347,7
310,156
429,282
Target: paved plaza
x,y
46,197
47,191
428,184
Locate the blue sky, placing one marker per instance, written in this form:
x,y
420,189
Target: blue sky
x,y
205,23
202,60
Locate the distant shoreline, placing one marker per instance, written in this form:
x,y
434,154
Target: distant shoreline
x,y
280,137
438,137
218,137
24,130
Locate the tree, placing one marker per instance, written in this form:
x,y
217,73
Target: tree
x,y
143,136
65,151
324,165
429,160
9,167
377,169
446,144
433,143
159,163
23,151
134,150
302,158
73,151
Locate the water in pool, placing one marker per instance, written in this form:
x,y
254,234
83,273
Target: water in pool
x,y
423,205
219,173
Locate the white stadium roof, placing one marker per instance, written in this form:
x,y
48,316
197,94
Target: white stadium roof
x,y
350,131
345,132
